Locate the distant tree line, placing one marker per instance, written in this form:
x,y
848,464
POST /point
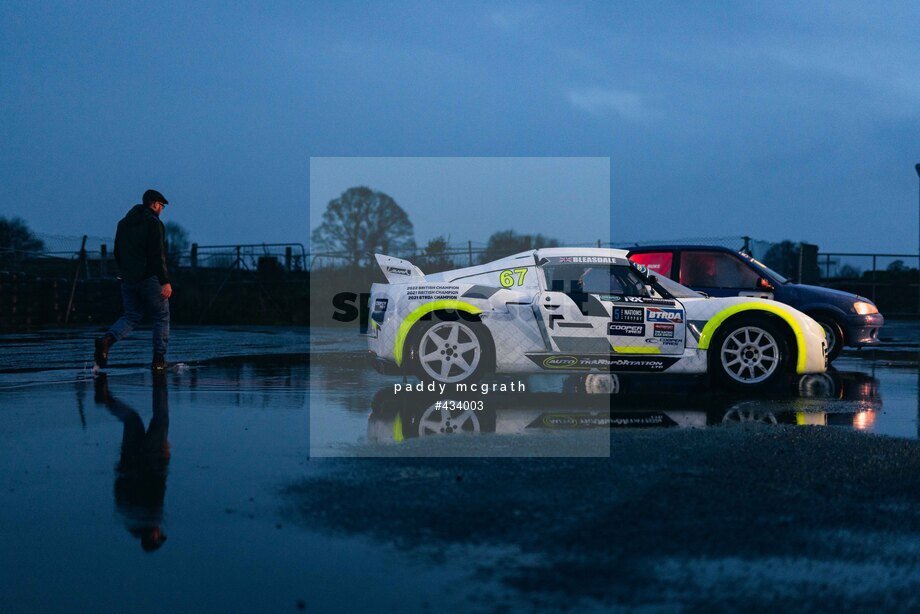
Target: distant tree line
x,y
362,222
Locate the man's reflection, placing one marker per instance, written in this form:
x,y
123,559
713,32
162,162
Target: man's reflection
x,y
140,476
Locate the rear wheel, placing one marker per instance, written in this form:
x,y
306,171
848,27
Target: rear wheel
x,y
452,352
438,420
749,353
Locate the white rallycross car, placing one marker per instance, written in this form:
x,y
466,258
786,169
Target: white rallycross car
x,y
578,310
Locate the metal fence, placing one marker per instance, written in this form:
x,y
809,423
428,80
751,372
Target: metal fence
x,y
94,258
890,280
470,253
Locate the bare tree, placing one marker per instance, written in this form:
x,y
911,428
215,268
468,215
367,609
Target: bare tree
x,y
360,222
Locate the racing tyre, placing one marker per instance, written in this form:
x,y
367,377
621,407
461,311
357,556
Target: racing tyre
x,y
452,351
833,335
749,353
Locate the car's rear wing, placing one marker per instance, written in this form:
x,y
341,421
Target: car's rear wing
x,y
399,271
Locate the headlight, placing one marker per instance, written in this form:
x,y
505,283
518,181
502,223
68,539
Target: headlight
x,y
863,308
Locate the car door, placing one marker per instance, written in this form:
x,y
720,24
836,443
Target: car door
x,y
719,273
599,308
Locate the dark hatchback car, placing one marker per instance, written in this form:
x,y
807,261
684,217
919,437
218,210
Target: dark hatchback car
x,y
848,319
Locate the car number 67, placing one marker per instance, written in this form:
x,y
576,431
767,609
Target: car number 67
x,y
506,278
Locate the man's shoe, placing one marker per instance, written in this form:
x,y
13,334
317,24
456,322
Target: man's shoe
x,y
102,349
159,362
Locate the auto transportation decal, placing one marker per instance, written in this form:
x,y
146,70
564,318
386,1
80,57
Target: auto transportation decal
x,y
582,362
655,314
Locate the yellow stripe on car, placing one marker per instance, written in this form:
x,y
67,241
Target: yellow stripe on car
x,y
633,349
713,324
416,314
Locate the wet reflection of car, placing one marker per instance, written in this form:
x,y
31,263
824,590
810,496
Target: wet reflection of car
x,y
140,475
835,398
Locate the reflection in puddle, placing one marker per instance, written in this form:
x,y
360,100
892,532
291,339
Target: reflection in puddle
x,y
835,398
140,481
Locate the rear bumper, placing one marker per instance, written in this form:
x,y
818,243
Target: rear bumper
x,y
863,330
383,366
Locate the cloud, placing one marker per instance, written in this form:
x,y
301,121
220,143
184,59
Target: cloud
x,y
606,101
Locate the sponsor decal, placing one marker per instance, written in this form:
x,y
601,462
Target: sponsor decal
x,y
638,420
570,421
560,362
627,314
607,363
664,330
377,315
664,342
398,271
647,300
594,420
628,330
593,259
655,314
433,292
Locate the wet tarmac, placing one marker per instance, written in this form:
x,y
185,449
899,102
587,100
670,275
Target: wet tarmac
x,y
206,488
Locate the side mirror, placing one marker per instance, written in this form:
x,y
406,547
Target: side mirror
x,y
764,284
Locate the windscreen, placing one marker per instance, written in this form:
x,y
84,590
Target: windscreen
x,y
675,289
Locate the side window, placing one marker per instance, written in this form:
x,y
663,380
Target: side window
x,y
658,263
715,270
594,279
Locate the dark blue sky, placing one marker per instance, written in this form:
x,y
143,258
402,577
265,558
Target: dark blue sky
x,y
777,121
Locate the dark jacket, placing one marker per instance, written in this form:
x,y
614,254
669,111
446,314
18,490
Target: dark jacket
x,y
140,246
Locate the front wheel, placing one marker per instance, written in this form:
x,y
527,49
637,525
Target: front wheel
x,y
749,353
833,335
452,352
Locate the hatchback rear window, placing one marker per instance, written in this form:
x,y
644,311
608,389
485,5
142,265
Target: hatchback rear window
x,y
658,263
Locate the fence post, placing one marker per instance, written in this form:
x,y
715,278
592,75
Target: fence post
x,y
76,276
193,257
469,248
288,252
873,277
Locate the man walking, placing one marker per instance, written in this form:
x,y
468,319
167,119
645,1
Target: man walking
x,y
140,252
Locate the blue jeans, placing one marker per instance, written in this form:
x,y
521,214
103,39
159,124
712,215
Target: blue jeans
x,y
140,299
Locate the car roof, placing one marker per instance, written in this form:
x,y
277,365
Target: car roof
x,y
663,248
640,249
556,252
